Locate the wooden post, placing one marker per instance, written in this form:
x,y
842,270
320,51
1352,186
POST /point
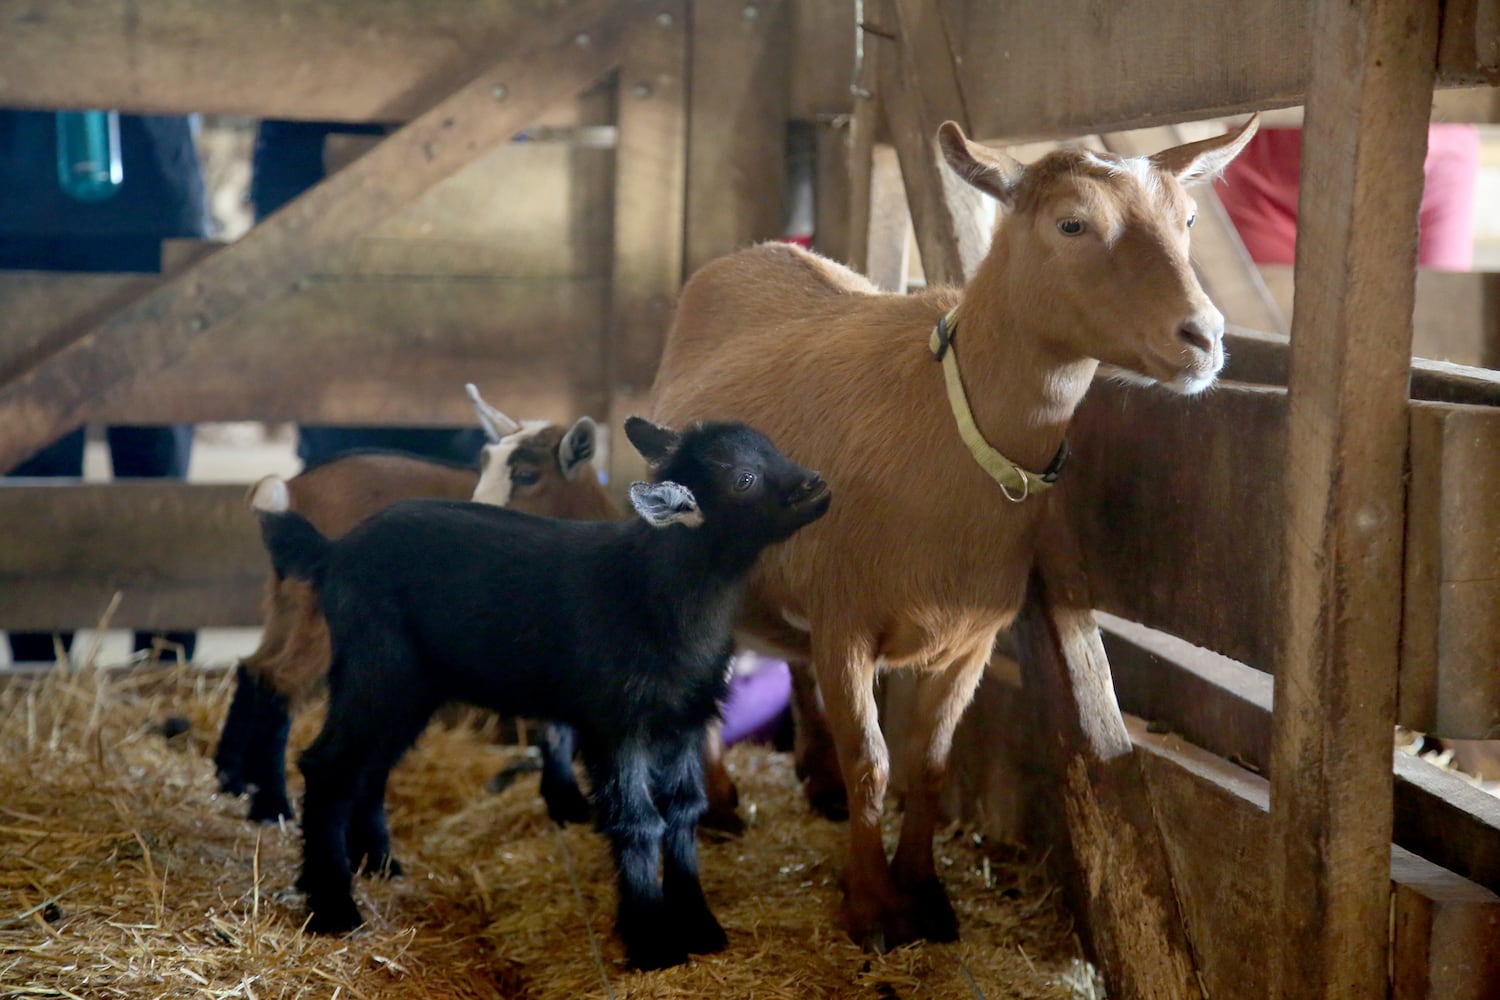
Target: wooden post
x,y
737,109
650,215
1335,701
147,336
1124,881
919,89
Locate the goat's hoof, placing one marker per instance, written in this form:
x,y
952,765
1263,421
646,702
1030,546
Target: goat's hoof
x,y
270,810
931,913
830,803
563,808
334,918
704,936
655,954
722,820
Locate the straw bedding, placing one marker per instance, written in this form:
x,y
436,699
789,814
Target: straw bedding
x,y
124,874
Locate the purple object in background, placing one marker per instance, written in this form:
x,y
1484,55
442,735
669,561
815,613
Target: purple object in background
x,y
759,692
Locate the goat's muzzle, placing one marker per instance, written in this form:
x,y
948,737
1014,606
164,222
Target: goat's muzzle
x,y
810,490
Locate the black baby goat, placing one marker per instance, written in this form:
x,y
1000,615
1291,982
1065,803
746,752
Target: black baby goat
x,y
622,630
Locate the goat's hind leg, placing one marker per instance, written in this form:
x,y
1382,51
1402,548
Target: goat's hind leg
x,y
677,779
628,817
369,725
941,697
369,839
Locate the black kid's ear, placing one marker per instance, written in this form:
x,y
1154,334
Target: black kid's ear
x,y
655,443
576,447
661,504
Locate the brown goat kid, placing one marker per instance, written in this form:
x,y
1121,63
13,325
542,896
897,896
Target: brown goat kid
x,y
925,557
536,467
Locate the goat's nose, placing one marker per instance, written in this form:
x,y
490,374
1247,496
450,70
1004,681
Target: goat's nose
x,y
1195,333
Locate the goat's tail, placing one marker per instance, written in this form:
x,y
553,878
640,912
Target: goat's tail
x,y
297,548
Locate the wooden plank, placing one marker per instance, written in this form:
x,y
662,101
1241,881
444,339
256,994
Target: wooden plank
x,y
888,248
1455,318
1219,839
1450,635
152,333
1224,707
737,111
43,311
864,185
1444,930
919,89
1469,50
822,57
182,556
1123,890
833,227
523,209
649,218
389,351
1366,128
1262,359
1176,502
1229,276
247,57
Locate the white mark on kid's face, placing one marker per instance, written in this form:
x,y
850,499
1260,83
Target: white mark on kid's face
x,y
494,485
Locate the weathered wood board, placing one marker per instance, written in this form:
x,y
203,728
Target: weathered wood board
x,y
181,556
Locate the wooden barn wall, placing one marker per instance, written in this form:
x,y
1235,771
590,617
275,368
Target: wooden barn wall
x,y
1065,67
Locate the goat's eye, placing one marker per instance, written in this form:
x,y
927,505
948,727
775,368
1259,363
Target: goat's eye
x,y
1192,217
744,481
1070,227
520,476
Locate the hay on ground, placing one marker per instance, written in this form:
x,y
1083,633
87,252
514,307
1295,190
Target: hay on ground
x,y
125,874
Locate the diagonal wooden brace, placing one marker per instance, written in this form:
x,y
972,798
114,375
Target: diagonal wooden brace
x,y
1122,880
578,46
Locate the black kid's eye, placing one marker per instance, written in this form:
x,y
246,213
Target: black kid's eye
x,y
1070,227
744,481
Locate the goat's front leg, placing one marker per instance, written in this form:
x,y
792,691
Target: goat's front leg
x,y
628,817
941,697
678,781
877,915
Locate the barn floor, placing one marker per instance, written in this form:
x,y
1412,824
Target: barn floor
x,y
124,874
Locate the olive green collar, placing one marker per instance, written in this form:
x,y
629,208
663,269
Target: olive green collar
x,y
1015,482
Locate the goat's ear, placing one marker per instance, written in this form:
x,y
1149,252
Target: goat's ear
x,y
1206,158
661,504
576,447
993,173
655,443
496,424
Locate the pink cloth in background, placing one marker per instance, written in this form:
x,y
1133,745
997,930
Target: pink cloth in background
x,y
1259,191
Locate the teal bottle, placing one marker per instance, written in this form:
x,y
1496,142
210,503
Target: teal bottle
x,y
88,154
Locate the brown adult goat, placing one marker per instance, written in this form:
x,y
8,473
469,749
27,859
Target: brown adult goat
x,y
925,557
535,467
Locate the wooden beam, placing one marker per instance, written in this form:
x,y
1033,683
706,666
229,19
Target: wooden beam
x,y
919,89
1177,501
1450,636
237,57
822,57
1124,889
182,556
888,247
97,368
1224,707
833,227
1469,51
737,113
1219,838
1366,129
649,217
864,185
1263,359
